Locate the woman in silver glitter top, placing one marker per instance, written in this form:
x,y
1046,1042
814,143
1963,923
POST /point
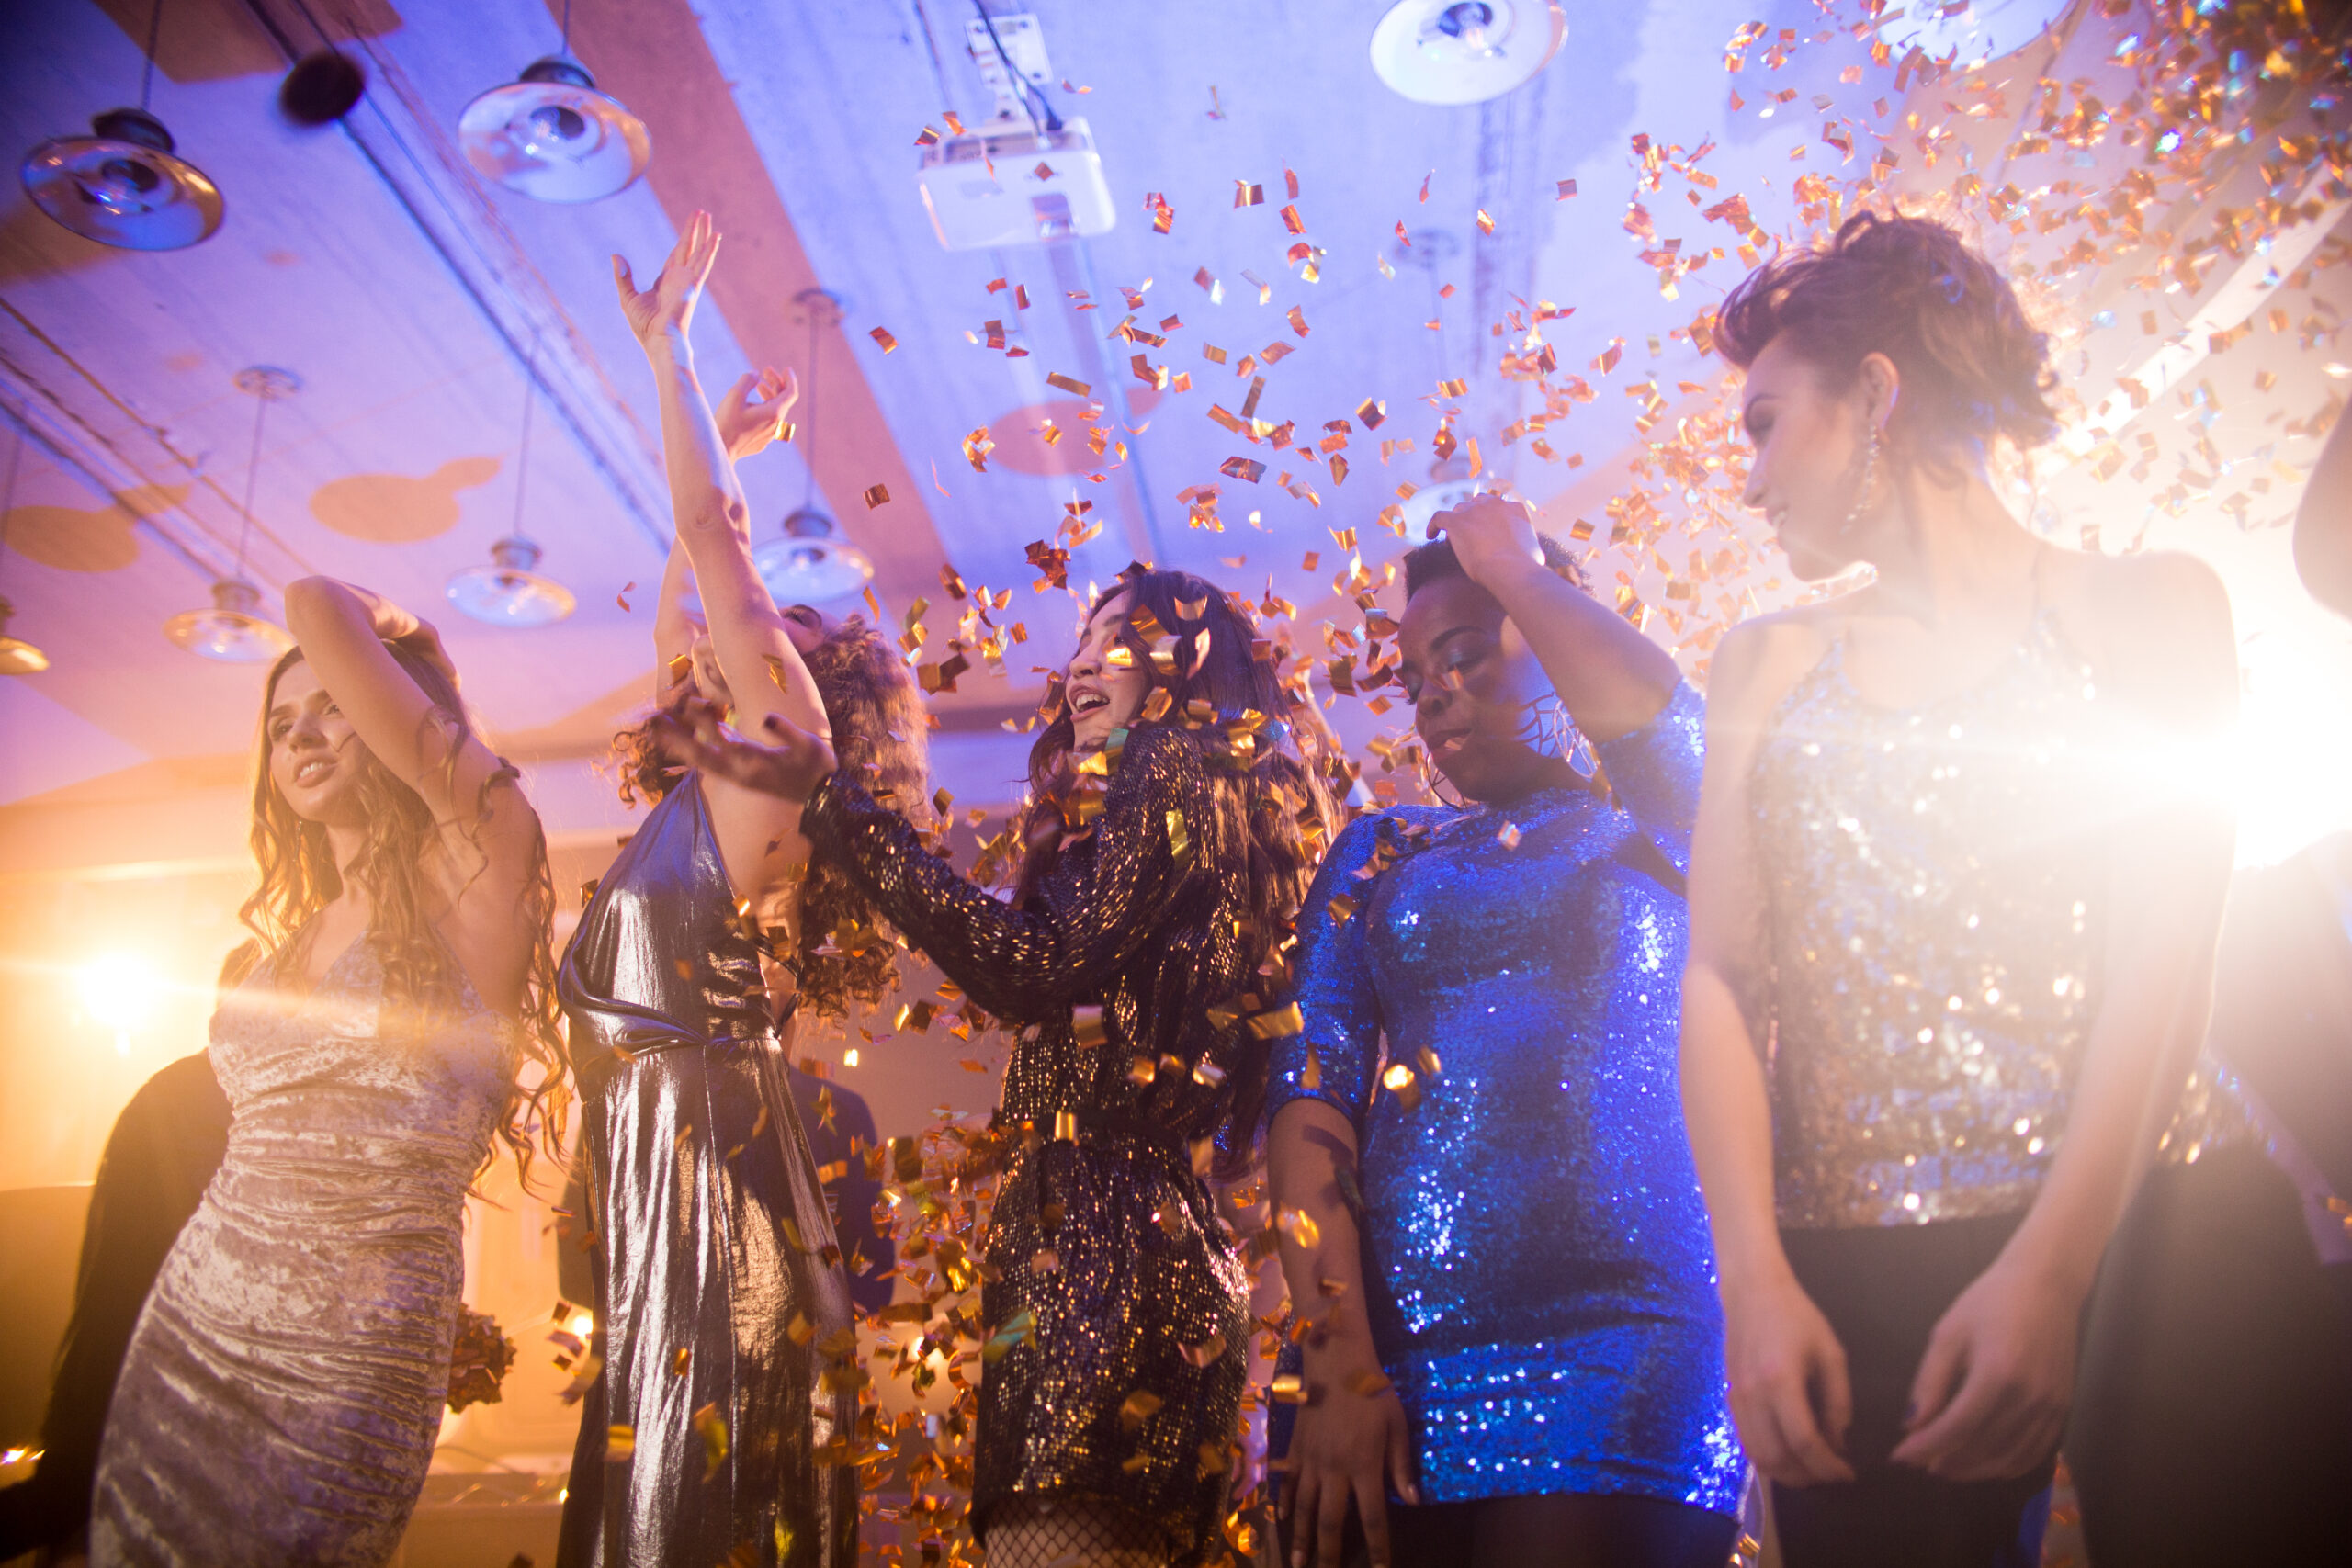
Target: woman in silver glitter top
x,y
1953,899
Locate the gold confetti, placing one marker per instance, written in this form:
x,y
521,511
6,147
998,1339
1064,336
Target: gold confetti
x,y
684,1354
1074,386
622,597
713,1427
620,1443
1288,1388
882,336
776,672
1568,189
876,495
1369,1382
1208,1352
1507,836
1486,224
1086,1023
681,666
1139,1407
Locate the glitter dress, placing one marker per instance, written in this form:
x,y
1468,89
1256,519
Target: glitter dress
x,y
283,1390
721,1294
1934,878
1540,1280
1129,1389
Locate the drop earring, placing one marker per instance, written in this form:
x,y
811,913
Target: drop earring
x,y
1862,489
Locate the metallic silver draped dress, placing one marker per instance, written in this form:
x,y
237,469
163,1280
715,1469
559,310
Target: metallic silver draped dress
x,y
282,1391
720,1292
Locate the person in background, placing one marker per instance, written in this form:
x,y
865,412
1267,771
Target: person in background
x,y
2214,1419
719,1295
841,1129
158,1160
1496,1247
1957,870
1171,825
281,1393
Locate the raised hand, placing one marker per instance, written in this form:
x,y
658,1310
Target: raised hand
x,y
791,769
752,413
667,305
1492,536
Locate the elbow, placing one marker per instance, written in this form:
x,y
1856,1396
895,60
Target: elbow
x,y
307,598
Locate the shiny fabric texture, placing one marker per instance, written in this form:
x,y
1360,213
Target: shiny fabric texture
x,y
1540,1280
1137,1269
719,1279
1934,879
281,1395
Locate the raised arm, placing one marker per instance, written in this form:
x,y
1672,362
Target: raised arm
x,y
1789,1390
1030,965
342,631
1612,678
755,654
2323,523
749,418
1993,1391
1352,1436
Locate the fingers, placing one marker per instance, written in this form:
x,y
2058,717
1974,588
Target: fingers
x,y
1809,1452
1939,1378
624,280
1400,1456
1306,1496
1372,1510
1331,1526
1835,1392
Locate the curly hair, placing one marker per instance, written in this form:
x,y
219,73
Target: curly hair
x,y
299,878
1972,366
1273,807
880,733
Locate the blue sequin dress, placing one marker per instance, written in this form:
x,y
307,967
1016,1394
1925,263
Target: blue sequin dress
x,y
1539,1276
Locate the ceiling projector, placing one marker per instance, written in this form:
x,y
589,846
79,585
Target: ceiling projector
x,y
1010,182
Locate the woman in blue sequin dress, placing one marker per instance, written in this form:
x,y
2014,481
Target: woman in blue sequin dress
x,y
1957,877
1503,1261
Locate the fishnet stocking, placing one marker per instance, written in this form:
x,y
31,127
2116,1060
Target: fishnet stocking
x,y
1073,1532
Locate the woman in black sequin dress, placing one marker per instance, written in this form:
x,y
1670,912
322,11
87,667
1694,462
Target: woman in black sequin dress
x,y
1173,829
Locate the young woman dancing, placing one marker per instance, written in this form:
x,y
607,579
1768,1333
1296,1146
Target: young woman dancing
x,y
1507,1284
1171,828
281,1393
1958,867
719,1280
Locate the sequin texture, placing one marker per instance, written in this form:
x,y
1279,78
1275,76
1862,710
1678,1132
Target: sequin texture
x,y
1933,883
1128,922
1537,1266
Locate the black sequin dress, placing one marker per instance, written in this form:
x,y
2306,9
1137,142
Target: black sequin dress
x,y
719,1282
1130,1388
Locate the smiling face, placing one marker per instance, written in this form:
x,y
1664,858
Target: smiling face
x,y
1811,443
1470,680
314,751
1104,684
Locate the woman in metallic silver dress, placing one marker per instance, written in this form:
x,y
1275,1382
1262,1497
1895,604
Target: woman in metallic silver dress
x,y
718,1428
1958,866
282,1391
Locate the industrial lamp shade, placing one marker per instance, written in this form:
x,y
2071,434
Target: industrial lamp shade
x,y
233,630
123,184
508,593
1465,51
553,137
810,565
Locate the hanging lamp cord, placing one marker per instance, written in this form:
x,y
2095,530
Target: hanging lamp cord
x,y
523,455
147,73
262,397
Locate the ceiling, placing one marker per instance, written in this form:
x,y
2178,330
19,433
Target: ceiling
x,y
414,302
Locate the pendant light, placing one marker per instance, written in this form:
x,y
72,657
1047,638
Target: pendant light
x,y
233,630
812,564
1465,51
123,184
17,657
552,136
508,593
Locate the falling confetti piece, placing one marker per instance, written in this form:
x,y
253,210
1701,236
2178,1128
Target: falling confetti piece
x,y
876,495
1425,184
681,666
1139,1407
1069,384
620,1443
1485,223
882,335
928,138
1086,1024
775,674
1507,836
1246,194
1568,189
713,1428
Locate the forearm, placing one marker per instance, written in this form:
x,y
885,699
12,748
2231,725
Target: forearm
x,y
1612,678
319,603
1310,1151
704,496
1729,1119
674,630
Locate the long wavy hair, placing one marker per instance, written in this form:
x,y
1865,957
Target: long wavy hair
x,y
299,877
1274,811
881,734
